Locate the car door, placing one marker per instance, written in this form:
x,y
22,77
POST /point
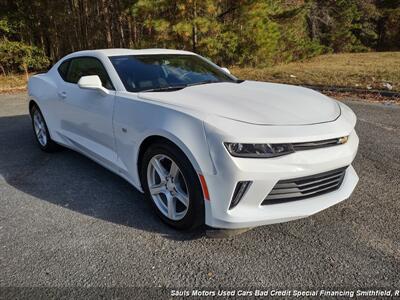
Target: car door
x,y
86,115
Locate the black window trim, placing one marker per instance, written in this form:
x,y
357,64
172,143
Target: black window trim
x,y
84,56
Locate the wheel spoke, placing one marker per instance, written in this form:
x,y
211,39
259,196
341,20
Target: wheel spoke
x,y
157,188
37,123
171,203
159,169
184,199
174,170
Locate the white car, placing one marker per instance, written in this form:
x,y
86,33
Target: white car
x,y
202,145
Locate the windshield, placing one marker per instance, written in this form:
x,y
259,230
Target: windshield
x,y
165,72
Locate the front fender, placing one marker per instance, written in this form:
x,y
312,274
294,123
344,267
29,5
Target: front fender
x,y
135,120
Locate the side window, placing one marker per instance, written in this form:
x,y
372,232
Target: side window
x,y
63,69
84,66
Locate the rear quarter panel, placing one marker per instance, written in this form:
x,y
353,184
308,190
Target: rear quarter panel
x,y
43,90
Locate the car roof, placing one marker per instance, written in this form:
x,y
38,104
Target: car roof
x,y
123,51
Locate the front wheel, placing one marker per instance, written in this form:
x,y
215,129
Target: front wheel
x,y
172,186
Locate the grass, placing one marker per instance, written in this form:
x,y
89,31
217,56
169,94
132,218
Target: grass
x,y
12,83
360,70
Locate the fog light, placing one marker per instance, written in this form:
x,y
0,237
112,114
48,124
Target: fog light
x,y
240,189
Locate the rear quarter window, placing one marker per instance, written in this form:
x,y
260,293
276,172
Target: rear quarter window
x,y
63,69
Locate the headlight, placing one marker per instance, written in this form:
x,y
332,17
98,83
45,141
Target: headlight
x,y
258,150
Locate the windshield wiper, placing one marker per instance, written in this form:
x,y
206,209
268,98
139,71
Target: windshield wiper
x,y
204,82
213,81
165,89
180,87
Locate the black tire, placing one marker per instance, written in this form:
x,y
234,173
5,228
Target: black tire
x,y
194,217
50,145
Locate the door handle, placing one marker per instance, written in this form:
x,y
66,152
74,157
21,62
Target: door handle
x,y
62,95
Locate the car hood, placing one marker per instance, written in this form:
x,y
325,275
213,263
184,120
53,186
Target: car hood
x,y
254,102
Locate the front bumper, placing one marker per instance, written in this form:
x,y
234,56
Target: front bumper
x,y
264,174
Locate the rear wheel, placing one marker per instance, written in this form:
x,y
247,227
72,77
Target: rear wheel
x,y
172,186
41,131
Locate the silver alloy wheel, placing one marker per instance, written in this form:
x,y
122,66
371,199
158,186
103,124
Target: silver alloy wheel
x,y
167,187
40,128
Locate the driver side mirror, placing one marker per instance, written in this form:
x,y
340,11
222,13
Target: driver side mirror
x,y
226,70
92,82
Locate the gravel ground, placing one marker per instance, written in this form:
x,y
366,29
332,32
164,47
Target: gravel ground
x,y
67,222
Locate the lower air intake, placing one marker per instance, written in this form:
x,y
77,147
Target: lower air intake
x,y
305,187
240,189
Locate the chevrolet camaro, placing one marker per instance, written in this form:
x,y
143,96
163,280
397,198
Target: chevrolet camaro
x,y
203,146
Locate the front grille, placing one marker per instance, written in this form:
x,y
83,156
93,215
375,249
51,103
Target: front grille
x,y
317,144
305,187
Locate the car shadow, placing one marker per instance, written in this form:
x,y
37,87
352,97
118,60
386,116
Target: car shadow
x,y
72,181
